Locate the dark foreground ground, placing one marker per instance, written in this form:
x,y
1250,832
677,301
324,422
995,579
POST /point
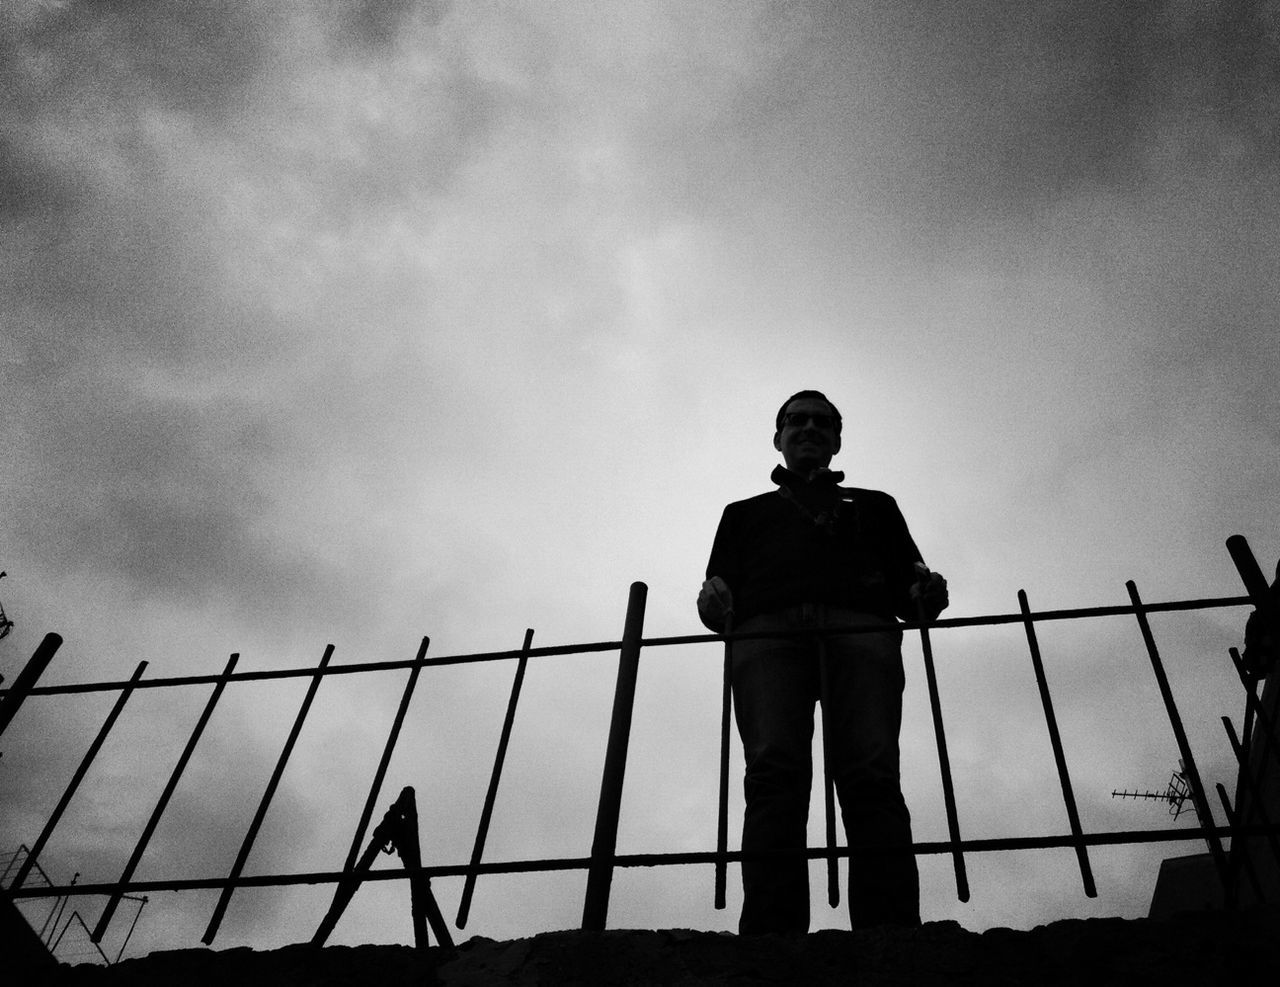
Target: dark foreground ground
x,y
1205,948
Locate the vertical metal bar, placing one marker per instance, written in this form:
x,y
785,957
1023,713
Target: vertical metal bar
x,y
1198,797
1255,583
148,831
423,908
1059,757
491,795
27,678
81,771
1238,855
1270,742
944,762
1251,786
595,906
383,762
722,809
406,842
828,784
252,834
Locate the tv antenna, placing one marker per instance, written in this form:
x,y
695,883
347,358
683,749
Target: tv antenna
x,y
6,625
1176,794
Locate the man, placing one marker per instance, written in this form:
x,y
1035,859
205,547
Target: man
x,y
809,555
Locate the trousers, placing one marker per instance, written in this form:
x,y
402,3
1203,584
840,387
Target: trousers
x,y
858,679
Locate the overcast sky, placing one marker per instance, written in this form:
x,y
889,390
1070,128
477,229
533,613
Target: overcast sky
x,y
354,322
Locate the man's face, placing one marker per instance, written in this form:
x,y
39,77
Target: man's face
x,y
807,445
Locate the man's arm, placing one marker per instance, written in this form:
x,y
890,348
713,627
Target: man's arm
x,y
921,589
930,592
715,603
715,599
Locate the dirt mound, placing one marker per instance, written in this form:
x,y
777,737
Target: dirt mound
x,y
1205,948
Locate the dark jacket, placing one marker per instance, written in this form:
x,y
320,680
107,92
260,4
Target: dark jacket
x,y
816,542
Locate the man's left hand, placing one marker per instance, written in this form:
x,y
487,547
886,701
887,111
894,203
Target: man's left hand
x,y
930,588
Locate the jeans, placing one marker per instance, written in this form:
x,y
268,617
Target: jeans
x,y
859,679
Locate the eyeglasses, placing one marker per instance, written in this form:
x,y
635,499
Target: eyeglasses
x,y
797,419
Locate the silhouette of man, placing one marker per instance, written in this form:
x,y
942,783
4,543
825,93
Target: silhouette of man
x,y
808,555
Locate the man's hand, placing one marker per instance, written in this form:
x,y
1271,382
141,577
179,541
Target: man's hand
x,y
930,589
715,601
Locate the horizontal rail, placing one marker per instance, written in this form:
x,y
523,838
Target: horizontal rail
x,y
1119,610
549,865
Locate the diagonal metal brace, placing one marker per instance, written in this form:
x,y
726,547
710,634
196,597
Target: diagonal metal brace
x,y
398,832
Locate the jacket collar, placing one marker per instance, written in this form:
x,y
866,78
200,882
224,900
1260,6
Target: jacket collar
x,y
817,480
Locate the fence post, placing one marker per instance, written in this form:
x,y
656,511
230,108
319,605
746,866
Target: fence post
x,y
227,891
38,846
595,908
1055,741
1198,796
104,921
491,795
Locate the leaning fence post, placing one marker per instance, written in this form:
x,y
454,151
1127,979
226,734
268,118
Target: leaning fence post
x,y
491,794
1059,756
109,910
225,898
384,762
944,761
81,771
26,679
600,874
1198,797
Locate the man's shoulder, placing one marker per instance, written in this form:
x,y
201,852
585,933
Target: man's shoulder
x,y
871,501
751,505
864,495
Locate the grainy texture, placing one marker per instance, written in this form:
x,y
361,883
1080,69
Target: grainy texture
x,y
1206,948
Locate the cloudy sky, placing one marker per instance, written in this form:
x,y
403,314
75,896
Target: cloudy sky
x,y
357,322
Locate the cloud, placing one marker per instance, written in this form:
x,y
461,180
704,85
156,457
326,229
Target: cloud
x,y
359,322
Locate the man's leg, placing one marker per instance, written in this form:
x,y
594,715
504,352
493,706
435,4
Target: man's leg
x,y
774,689
865,682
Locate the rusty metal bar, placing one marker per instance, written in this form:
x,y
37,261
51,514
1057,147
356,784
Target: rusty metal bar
x,y
944,761
252,834
990,620
27,678
81,771
1180,834
148,831
491,794
722,808
1059,756
1198,796
595,906
385,760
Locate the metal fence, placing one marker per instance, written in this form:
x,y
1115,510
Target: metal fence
x,y
603,860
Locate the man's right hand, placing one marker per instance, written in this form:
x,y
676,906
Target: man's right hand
x,y
715,601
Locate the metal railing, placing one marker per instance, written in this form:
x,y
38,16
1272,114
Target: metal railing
x,y
604,859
